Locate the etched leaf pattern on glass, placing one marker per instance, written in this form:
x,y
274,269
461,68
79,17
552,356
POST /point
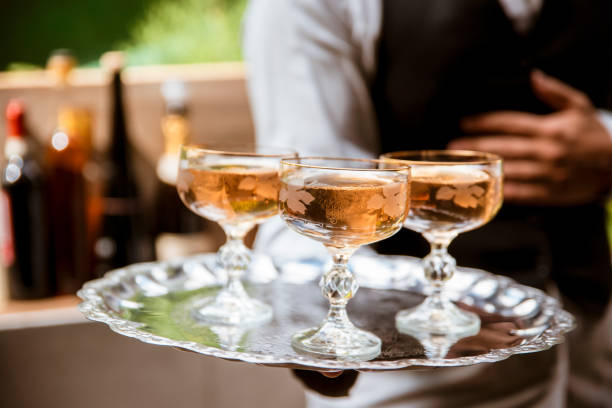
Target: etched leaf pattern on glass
x,y
264,190
184,180
296,198
247,183
392,201
463,196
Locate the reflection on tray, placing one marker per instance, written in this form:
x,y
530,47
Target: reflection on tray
x,y
152,302
230,337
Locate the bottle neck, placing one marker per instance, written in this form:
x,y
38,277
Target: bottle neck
x,y
15,143
119,144
73,131
175,132
15,129
14,119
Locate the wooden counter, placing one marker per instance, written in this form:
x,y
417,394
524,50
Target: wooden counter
x,y
58,310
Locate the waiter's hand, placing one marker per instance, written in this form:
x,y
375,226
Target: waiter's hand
x,y
563,158
331,374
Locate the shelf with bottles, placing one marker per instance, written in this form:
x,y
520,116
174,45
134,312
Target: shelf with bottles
x,y
217,99
218,108
217,102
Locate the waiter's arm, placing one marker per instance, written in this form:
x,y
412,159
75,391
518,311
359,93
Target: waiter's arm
x,y
308,77
308,67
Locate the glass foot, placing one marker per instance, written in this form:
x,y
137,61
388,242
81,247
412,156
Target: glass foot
x,y
349,344
437,317
227,310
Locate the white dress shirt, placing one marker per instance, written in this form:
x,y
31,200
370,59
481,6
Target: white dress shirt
x,y
310,65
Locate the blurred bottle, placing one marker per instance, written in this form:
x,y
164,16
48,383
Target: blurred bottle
x,y
177,228
121,240
60,64
68,159
24,229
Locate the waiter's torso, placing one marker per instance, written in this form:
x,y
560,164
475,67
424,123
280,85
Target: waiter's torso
x,y
439,61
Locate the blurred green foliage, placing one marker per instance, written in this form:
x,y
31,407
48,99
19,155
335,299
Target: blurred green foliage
x,y
22,66
184,31
151,31
31,29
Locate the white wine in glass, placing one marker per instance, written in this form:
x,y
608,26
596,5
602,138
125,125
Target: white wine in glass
x,y
231,193
344,210
451,192
451,200
237,187
342,203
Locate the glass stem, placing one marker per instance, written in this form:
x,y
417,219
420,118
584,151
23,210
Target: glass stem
x,y
438,265
234,257
338,285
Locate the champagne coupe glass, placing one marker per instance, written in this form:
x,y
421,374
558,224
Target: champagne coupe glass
x,y
451,192
237,187
342,203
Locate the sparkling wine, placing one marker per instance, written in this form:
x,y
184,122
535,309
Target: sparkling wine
x,y
341,210
229,193
451,200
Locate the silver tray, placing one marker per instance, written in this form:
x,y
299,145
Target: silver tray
x,y
151,302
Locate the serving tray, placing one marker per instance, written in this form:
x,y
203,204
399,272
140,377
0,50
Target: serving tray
x,y
152,301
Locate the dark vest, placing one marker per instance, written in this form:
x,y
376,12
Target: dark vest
x,y
441,60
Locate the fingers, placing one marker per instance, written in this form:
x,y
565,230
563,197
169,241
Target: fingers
x,y
331,374
513,147
529,193
533,167
505,122
574,191
557,94
534,171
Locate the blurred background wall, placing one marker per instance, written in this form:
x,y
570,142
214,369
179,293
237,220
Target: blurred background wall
x,y
217,102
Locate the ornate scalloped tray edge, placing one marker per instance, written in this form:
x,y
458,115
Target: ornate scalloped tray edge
x,y
120,297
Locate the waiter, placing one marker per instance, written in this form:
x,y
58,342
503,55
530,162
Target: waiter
x,y
530,80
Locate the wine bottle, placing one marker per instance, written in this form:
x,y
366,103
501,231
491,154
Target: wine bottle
x,y
178,230
24,227
68,157
121,239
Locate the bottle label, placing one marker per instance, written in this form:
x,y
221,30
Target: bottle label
x,y
7,249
